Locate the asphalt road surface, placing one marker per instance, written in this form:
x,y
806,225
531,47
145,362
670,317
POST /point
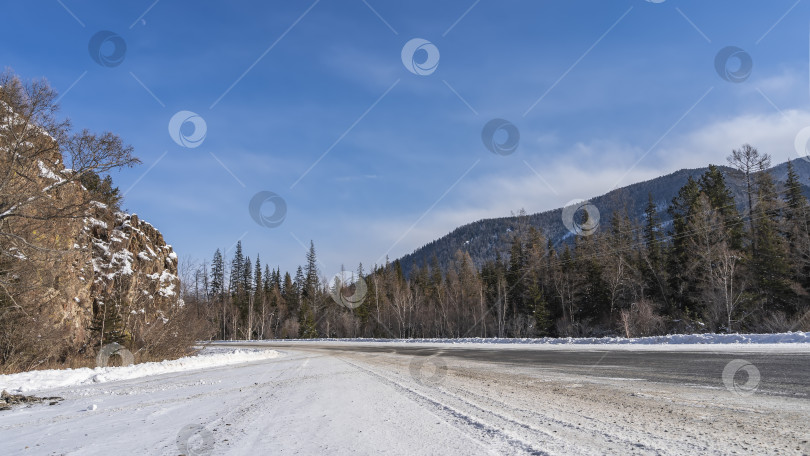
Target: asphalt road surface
x,y
781,373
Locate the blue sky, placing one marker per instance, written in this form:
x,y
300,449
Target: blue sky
x,y
603,94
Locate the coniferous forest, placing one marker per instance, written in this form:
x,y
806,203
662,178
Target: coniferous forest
x,y
713,268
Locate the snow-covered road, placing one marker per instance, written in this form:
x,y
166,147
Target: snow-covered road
x,y
315,401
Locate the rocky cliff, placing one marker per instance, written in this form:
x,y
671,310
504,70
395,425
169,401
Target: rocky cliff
x,y
98,261
75,271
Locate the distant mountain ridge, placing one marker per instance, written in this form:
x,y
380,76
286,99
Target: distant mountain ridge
x,y
485,239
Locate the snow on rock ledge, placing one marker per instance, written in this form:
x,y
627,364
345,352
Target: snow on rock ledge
x,y
132,264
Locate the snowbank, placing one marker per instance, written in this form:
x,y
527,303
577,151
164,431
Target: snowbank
x,y
25,382
672,339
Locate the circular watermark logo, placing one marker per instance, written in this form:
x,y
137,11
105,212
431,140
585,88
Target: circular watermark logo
x,y
802,143
420,56
580,217
110,350
195,440
428,371
187,129
733,64
732,376
257,207
107,48
347,290
500,136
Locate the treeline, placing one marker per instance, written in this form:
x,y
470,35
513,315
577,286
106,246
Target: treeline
x,y
714,268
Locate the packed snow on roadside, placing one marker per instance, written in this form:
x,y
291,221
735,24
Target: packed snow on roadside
x,y
672,339
26,382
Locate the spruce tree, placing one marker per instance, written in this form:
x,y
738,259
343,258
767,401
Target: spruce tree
x,y
217,276
311,271
796,203
541,313
299,285
797,228
237,271
363,311
706,234
247,278
770,264
258,282
107,324
306,321
652,228
515,280
713,184
268,279
289,292
435,281
682,285
591,292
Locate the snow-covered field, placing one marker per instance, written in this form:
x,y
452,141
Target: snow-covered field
x,y
306,400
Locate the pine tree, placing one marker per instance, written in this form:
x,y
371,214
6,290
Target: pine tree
x,y
748,161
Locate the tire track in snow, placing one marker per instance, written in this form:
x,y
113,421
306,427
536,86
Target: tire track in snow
x,y
473,426
570,431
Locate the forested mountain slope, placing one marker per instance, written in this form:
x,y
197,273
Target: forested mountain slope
x,y
487,238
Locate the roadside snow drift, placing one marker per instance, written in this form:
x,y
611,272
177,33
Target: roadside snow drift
x,y
25,382
672,339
